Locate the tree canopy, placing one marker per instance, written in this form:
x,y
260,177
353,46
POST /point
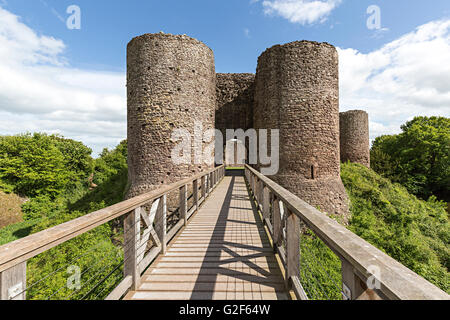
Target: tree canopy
x,y
418,158
40,164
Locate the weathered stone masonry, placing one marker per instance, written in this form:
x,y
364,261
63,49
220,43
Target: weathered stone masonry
x,y
234,109
354,127
297,91
172,83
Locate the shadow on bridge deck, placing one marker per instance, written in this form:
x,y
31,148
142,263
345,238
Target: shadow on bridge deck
x,y
223,254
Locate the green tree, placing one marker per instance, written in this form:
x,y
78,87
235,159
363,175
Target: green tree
x,y
418,158
39,164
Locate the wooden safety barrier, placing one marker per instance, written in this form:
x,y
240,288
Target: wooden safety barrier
x,y
358,257
14,255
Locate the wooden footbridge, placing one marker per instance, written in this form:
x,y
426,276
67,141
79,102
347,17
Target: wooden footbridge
x,y
237,236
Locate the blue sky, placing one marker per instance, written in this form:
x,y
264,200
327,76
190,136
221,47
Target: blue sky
x,y
107,26
382,71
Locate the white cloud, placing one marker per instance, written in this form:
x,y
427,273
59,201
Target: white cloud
x,y
39,91
406,77
301,11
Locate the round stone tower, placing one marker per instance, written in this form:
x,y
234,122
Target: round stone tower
x,y
171,84
355,146
297,92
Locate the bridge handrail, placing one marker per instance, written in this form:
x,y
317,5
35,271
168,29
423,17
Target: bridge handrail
x,y
15,254
357,255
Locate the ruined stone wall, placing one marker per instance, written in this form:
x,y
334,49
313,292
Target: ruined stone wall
x,y
297,91
234,109
171,83
355,145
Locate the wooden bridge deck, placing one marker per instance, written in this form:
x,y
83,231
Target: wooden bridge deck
x,y
222,254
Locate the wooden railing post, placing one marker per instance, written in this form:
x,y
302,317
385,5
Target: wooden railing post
x,y
266,202
255,183
131,238
277,226
13,282
259,188
183,204
203,182
352,285
253,179
210,184
161,222
195,193
292,246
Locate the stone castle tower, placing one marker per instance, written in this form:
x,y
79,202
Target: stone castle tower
x,y
172,82
354,126
297,91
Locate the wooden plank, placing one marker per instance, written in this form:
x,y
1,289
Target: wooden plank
x,y
161,223
262,265
164,295
203,187
218,259
131,237
121,289
266,203
235,272
293,246
208,286
148,259
298,289
277,227
195,194
214,278
183,204
173,231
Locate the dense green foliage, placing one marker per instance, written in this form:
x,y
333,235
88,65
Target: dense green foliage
x,y
418,158
320,269
39,164
412,231
96,253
